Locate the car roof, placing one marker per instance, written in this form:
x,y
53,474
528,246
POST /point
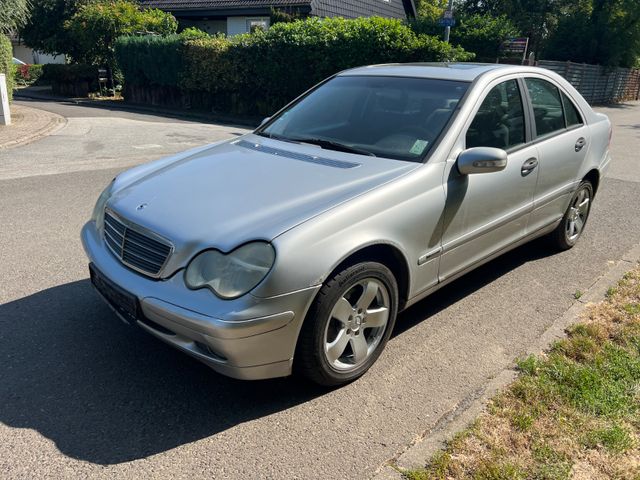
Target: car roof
x,y
465,72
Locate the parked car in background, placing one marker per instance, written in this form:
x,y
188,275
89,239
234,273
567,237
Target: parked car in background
x,y
18,62
293,248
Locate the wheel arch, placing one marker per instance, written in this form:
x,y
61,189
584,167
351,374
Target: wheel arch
x,y
593,176
388,255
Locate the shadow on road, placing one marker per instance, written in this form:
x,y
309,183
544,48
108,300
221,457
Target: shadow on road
x,y
107,393
469,283
111,107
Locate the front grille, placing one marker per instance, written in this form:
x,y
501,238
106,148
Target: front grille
x,y
141,251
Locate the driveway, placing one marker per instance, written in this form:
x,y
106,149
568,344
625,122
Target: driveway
x,y
83,395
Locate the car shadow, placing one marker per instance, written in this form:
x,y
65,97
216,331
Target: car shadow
x,y
109,393
469,283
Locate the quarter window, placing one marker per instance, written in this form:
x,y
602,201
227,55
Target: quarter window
x,y
571,112
547,106
499,122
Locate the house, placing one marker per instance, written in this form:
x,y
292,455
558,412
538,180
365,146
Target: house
x,y
233,17
28,55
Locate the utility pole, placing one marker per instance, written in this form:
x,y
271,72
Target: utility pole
x,y
448,14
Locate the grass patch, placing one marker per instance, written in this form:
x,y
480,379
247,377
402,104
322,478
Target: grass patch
x,y
572,413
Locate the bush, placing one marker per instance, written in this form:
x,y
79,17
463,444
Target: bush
x,y
150,59
261,72
193,33
75,80
96,26
28,74
6,63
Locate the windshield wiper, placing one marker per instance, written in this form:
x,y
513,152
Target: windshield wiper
x,y
277,137
331,145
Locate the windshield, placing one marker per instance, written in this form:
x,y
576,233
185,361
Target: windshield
x,y
393,117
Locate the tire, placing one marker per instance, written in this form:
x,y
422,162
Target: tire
x,y
358,304
565,236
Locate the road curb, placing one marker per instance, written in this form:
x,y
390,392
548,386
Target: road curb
x,y
55,123
465,412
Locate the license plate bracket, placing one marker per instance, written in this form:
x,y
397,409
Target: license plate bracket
x,y
123,302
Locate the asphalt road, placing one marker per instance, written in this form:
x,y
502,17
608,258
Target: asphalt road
x,y
83,395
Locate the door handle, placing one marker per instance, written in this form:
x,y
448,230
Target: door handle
x,y
580,144
529,166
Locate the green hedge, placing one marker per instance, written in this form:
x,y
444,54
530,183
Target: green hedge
x,y
70,73
28,74
150,59
74,80
260,72
6,63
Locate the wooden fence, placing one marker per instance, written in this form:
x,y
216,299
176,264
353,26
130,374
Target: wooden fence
x,y
597,84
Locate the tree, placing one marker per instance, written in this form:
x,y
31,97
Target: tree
x,y
605,32
431,9
481,34
534,18
96,26
13,14
44,30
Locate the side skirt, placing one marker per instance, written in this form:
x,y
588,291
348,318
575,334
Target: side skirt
x,y
531,236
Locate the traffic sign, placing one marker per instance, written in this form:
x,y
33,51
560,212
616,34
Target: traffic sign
x,y
447,22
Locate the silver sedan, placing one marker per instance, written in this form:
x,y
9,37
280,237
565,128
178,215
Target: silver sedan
x,y
293,248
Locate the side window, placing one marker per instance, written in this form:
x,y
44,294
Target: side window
x,y
571,112
547,106
499,122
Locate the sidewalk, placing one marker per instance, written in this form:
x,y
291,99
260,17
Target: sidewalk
x,y
44,93
28,124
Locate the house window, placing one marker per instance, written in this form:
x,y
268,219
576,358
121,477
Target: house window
x,y
254,24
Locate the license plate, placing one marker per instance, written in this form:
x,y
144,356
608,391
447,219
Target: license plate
x,y
120,300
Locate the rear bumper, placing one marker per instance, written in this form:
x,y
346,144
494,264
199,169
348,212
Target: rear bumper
x,y
248,338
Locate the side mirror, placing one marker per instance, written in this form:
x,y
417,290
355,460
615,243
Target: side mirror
x,y
482,160
265,121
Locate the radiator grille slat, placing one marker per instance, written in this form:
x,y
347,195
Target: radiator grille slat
x,y
135,248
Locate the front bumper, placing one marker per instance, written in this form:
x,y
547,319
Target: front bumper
x,y
248,338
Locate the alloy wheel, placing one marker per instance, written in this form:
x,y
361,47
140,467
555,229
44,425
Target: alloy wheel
x,y
577,216
357,324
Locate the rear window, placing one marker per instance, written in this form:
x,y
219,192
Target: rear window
x,y
547,106
571,112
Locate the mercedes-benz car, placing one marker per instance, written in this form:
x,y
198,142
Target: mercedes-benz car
x,y
294,247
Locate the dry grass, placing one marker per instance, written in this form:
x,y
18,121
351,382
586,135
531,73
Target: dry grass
x,y
572,413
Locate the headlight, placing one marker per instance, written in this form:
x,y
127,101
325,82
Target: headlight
x,y
231,275
98,210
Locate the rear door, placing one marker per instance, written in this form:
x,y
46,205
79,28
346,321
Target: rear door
x,y
563,142
487,212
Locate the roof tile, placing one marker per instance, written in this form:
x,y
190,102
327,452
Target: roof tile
x,y
220,4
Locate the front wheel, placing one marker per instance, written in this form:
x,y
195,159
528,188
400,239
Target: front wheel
x,y
575,218
348,325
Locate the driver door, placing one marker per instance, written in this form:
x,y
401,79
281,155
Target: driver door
x,y
487,212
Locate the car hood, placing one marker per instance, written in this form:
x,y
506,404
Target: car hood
x,y
251,188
